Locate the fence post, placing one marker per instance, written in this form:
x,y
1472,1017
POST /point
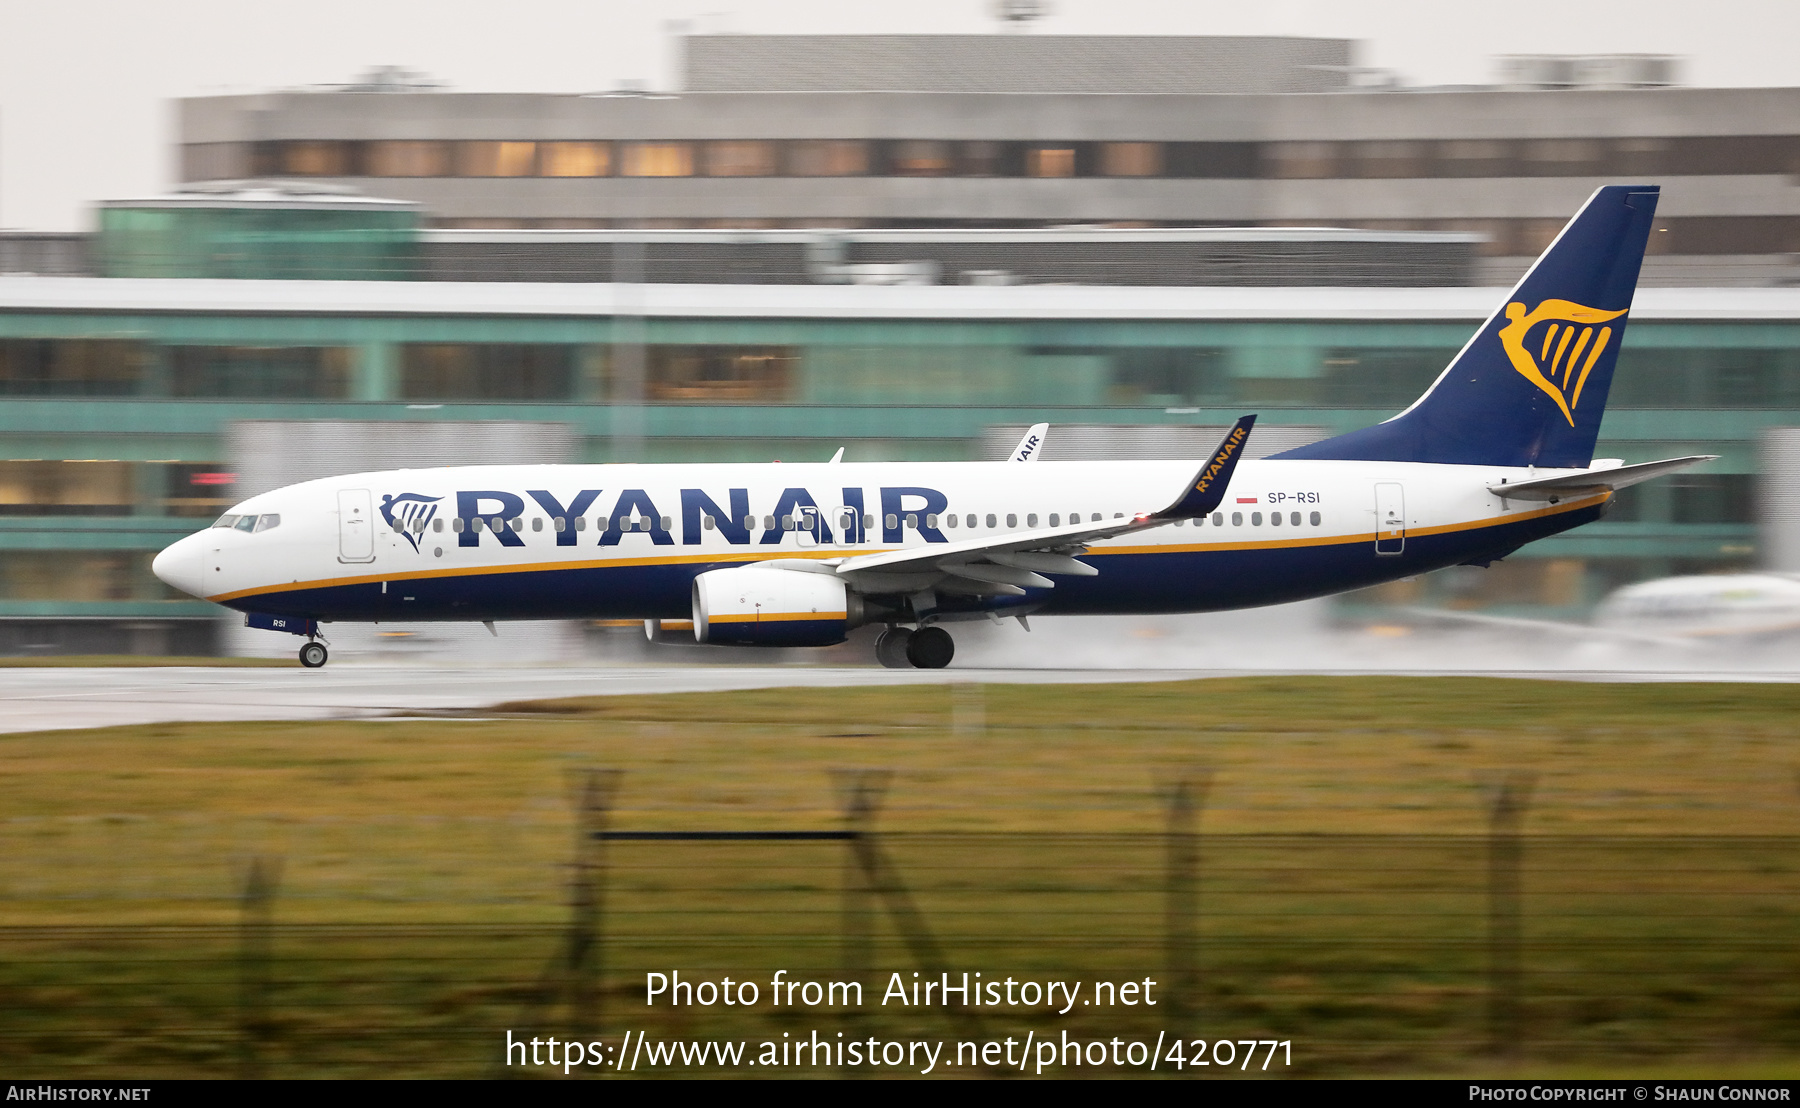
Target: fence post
x,y
1181,921
861,793
968,710
1508,795
254,912
585,958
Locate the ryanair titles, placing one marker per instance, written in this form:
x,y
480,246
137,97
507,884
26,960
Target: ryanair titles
x,y
496,516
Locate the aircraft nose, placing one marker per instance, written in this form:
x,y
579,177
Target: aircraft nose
x,y
181,566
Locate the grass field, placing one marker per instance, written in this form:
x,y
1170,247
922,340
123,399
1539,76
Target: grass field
x,y
1341,883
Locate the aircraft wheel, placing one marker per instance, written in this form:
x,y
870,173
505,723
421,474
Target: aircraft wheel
x,y
313,655
931,648
890,648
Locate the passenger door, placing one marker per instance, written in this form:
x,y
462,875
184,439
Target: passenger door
x,y
356,526
1390,518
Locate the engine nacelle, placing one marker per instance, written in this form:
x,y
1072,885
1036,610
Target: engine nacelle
x,y
770,606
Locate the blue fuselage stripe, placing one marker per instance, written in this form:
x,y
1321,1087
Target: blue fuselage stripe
x,y
1129,582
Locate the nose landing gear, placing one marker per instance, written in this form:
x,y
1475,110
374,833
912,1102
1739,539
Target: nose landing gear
x,y
926,648
313,655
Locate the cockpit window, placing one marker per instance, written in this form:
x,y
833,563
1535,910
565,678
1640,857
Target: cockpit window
x,y
266,522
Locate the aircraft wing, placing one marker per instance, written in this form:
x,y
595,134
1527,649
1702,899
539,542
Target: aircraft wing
x,y
1006,564
1594,480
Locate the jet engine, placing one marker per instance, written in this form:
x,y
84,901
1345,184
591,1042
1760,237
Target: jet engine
x,y
763,605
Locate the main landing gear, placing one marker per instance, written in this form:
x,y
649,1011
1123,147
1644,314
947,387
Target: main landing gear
x,y
926,648
313,654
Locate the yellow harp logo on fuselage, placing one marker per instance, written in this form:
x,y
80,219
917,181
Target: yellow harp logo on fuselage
x,y
1559,359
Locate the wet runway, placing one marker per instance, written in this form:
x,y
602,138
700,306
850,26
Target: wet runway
x,y
37,699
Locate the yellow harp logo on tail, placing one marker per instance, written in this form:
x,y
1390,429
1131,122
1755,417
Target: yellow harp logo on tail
x,y
1558,358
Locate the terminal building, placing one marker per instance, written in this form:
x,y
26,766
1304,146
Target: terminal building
x,y
780,260
864,132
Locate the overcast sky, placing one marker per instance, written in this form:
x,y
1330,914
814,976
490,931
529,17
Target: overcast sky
x,y
85,84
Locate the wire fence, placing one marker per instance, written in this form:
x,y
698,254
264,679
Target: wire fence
x,y
1368,953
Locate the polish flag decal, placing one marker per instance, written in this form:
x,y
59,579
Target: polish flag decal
x,y
1246,500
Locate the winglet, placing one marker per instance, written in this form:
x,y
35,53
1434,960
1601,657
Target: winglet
x,y
1027,450
1207,490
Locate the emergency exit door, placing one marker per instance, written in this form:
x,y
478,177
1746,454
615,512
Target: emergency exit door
x,y
356,528
1390,518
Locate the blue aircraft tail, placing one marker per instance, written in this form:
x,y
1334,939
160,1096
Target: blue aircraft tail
x,y
1529,389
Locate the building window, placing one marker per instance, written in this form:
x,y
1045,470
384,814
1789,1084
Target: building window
x,y
409,159
193,489
70,575
71,367
658,159
1391,159
740,159
1050,161
40,488
720,374
316,159
1301,159
487,371
1561,158
828,158
1474,158
1163,376
983,159
496,159
1380,378
920,158
274,372
1713,498
1131,159
577,159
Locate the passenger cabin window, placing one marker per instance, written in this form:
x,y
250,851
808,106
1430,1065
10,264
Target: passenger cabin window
x,y
1011,520
992,521
1256,519
1055,520
1219,519
1315,519
950,519
1031,520
1237,519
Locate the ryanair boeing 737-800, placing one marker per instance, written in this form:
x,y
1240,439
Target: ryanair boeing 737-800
x,y
1497,453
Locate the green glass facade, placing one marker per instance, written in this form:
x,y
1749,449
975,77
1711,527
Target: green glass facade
x,y
258,243
151,393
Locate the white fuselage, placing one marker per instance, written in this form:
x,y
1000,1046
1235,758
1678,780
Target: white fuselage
x,y
632,537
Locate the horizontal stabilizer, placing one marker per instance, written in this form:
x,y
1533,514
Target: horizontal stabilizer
x,y
1594,480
